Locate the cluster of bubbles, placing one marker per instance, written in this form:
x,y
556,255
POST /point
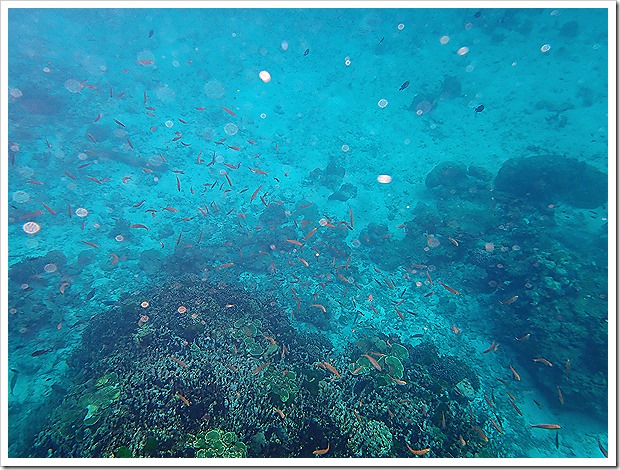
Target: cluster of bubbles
x,y
21,197
31,227
73,86
50,268
230,129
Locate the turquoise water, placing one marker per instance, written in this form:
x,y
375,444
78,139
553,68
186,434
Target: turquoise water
x,y
217,256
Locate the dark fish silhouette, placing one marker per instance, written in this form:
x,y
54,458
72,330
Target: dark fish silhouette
x,y
404,85
40,352
381,40
14,379
151,33
306,52
479,109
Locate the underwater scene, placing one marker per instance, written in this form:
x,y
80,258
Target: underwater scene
x,y
307,233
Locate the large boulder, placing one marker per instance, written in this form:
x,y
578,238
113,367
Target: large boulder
x,y
551,178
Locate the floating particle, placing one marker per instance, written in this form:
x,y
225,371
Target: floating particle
x,y
81,212
175,63
264,76
404,85
230,129
345,148
401,26
384,179
444,40
31,227
15,92
323,222
463,50
182,309
73,86
284,45
382,103
21,197
545,48
169,124
347,61
306,52
50,268
263,115
468,26
46,69
489,246
144,304
119,238
355,243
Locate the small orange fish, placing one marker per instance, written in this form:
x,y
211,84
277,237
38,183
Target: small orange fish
x,y
455,330
294,242
139,226
310,233
493,347
524,337
303,261
321,451
496,426
257,171
514,372
228,111
542,360
461,440
373,361
560,396
449,289
90,244
418,452
546,426
225,265
509,301
260,368
183,399
114,259
480,433
63,286
280,412
332,369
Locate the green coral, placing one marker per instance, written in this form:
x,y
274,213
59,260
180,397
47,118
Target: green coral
x,y
391,367
217,443
281,387
252,339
